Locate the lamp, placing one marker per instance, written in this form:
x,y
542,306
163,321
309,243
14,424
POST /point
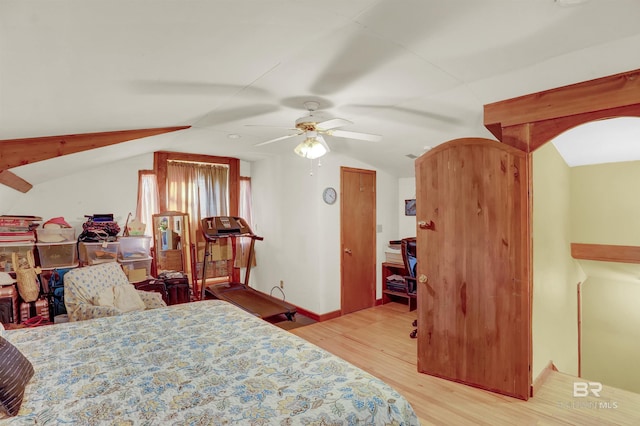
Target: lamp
x,y
312,147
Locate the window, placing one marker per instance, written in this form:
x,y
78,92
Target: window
x,y
200,186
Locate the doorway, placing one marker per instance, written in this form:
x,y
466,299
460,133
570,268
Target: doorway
x,y
357,239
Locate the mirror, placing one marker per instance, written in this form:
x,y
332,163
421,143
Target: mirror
x,y
171,242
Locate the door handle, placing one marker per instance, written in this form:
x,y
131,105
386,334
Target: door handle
x,y
426,225
348,251
423,278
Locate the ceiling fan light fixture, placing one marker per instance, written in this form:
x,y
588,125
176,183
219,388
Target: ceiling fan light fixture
x,y
310,148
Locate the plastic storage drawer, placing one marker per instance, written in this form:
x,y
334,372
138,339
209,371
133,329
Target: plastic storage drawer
x,y
58,255
136,270
5,254
134,248
96,253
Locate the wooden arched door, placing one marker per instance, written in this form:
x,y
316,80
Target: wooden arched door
x,y
473,250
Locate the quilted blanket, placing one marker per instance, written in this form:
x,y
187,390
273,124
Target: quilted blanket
x,y
201,363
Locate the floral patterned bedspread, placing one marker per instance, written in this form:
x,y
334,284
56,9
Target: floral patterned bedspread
x,y
201,363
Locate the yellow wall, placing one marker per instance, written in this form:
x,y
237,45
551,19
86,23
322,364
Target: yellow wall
x,y
605,207
555,273
605,203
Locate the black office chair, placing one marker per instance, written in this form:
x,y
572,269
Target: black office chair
x,y
410,260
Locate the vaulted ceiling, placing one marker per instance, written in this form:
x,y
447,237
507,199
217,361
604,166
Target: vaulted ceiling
x,y
416,72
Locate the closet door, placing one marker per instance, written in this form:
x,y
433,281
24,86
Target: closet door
x,y
473,265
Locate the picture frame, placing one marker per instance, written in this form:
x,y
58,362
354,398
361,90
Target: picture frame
x,y
410,207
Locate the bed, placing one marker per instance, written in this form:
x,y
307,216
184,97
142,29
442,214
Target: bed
x,y
205,362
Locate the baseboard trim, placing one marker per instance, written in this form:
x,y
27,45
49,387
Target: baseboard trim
x,y
318,317
542,377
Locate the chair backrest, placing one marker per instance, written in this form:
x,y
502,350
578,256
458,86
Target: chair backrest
x,y
408,249
85,283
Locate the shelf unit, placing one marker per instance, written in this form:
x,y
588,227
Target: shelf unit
x,y
388,269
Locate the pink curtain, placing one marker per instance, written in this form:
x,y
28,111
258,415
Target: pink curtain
x,y
244,212
198,189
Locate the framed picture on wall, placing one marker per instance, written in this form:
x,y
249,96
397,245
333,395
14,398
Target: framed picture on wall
x,y
410,207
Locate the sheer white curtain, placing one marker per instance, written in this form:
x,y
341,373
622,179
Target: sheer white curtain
x,y
148,199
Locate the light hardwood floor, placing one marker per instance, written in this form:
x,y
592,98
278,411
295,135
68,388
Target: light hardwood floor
x,y
377,340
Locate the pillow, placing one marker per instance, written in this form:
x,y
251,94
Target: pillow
x,y
104,298
124,298
127,299
15,372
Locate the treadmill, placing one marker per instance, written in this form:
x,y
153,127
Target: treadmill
x,y
240,294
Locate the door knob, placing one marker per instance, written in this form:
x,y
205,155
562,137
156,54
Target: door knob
x,y
423,278
347,250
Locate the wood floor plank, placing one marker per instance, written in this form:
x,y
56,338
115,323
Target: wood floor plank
x,y
377,340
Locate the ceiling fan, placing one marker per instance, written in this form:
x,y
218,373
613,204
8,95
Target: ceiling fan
x,y
314,126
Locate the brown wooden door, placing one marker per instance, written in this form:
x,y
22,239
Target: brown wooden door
x,y
474,308
358,239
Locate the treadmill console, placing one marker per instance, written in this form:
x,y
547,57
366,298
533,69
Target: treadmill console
x,y
225,226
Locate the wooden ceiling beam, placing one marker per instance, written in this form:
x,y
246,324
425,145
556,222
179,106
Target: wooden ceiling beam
x,y
18,152
619,91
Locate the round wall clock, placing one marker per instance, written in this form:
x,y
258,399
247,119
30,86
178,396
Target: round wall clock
x,y
329,195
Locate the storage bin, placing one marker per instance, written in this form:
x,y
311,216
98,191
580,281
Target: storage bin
x,y
57,255
95,253
136,270
5,254
137,247
55,235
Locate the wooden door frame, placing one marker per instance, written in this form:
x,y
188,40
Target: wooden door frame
x,y
342,229
528,122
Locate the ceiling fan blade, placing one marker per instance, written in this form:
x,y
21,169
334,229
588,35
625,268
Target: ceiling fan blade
x,y
271,127
332,123
217,117
278,139
354,135
407,114
202,88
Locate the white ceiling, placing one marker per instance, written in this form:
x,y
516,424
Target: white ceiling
x,y
417,72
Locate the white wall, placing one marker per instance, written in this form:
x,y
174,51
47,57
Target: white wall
x,y
406,224
8,197
302,234
112,188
